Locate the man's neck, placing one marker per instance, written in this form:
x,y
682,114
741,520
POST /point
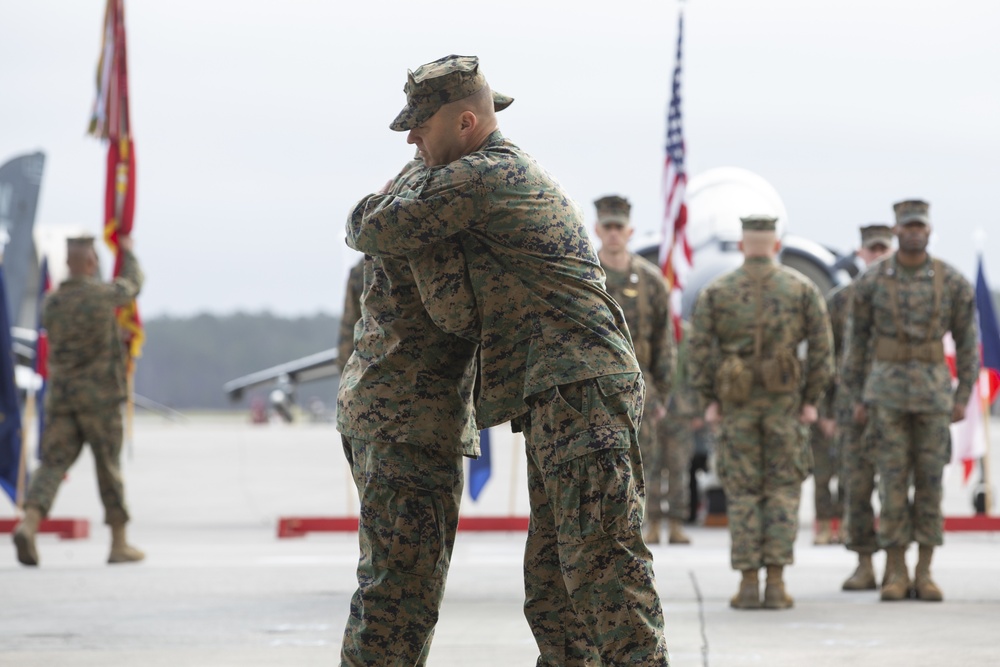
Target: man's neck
x,y
616,260
911,259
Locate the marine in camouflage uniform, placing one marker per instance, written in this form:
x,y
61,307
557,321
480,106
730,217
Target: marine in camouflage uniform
x,y
901,309
638,287
351,314
746,326
857,472
87,386
555,358
404,409
676,437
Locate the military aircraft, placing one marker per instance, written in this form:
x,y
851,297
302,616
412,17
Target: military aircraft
x,y
716,200
20,183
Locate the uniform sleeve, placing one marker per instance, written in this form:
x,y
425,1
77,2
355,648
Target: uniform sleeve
x,y
664,357
835,310
701,365
449,201
963,330
126,286
857,341
819,362
350,316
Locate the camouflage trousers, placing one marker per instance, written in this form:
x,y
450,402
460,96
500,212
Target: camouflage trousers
x,y
910,447
857,476
826,465
652,468
675,446
590,594
762,460
410,498
62,441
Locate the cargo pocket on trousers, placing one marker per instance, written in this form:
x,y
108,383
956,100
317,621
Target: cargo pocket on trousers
x,y
621,396
598,494
412,528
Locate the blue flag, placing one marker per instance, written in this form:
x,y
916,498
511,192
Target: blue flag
x,y
10,409
989,331
479,469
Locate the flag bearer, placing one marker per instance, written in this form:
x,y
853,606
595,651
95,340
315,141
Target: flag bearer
x,y
86,389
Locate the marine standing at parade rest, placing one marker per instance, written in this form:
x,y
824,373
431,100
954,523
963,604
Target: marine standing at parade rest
x,y
351,313
747,326
87,386
901,310
555,359
638,287
404,409
857,469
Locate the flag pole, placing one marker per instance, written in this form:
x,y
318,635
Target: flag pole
x,y
22,463
987,490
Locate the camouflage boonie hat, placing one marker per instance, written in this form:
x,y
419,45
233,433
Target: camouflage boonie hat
x,y
613,210
912,210
759,223
877,234
437,83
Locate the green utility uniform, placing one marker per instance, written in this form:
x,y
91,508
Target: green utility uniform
x,y
86,386
746,328
555,357
901,315
404,409
642,294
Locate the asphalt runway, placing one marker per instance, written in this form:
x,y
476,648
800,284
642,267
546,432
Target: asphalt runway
x,y
218,588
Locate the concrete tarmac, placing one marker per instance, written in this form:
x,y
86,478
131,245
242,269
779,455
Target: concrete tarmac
x,y
219,589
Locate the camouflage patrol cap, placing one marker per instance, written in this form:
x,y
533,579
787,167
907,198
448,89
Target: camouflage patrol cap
x,y
877,234
759,223
912,210
613,210
437,83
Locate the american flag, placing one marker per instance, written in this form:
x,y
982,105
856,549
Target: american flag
x,y
675,252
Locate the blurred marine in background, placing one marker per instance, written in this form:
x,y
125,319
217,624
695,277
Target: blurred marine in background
x,y
746,329
638,287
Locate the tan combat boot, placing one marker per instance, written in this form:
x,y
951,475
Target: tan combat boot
x,y
824,533
923,584
775,596
748,597
121,551
896,584
24,537
863,578
652,533
677,534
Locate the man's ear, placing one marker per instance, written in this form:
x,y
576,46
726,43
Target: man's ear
x,y
467,121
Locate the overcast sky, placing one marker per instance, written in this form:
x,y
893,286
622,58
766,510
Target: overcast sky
x,y
259,123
